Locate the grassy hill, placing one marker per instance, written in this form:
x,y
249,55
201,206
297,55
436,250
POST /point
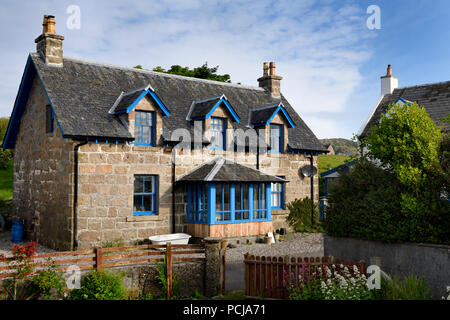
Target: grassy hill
x,y
341,145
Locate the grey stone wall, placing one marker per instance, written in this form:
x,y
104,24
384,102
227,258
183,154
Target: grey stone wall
x,y
432,262
43,166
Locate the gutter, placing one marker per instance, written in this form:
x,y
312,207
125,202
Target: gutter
x,y
173,189
75,195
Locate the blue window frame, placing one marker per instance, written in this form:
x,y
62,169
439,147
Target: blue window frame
x,y
259,201
223,202
197,203
144,128
145,195
49,119
277,194
241,201
276,138
218,133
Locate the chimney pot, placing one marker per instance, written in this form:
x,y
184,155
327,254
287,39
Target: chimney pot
x,y
272,68
389,70
266,69
388,82
269,80
49,44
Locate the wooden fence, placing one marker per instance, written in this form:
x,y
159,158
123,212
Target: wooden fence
x,y
268,277
99,258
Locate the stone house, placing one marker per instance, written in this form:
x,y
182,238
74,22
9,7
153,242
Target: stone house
x,y
434,97
105,153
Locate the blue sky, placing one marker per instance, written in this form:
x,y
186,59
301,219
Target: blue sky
x,y
330,61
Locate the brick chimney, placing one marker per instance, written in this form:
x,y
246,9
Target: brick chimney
x,y
269,80
49,44
388,82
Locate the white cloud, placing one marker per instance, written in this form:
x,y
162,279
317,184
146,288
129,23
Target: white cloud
x,y
318,45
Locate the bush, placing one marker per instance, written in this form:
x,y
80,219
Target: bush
x,y
300,216
99,285
5,158
408,288
366,203
47,281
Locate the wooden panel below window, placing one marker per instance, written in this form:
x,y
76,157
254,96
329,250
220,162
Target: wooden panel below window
x,y
230,229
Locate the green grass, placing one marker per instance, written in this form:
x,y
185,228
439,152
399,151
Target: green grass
x,y
6,182
327,162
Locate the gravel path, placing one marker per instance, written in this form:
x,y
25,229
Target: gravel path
x,y
295,245
6,245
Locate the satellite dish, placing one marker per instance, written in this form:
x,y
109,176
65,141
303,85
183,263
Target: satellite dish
x,y
308,171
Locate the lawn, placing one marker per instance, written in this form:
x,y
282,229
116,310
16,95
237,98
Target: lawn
x,y
327,162
6,182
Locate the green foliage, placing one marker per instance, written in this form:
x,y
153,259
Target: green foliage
x,y
47,281
203,72
6,182
365,204
3,127
402,199
6,155
300,216
411,287
327,284
162,278
100,285
406,141
327,162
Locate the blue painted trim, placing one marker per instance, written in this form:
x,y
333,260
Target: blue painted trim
x,y
286,115
232,202
229,107
211,217
155,98
280,138
250,202
154,194
224,136
152,142
268,201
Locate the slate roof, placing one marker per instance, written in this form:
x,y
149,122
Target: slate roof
x,y
82,94
262,114
434,97
221,169
202,107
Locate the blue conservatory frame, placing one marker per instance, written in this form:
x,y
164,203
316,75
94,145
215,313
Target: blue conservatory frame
x,y
202,206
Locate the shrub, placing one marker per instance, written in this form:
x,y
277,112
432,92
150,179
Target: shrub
x,y
47,281
367,203
5,158
408,288
99,285
162,278
300,216
328,284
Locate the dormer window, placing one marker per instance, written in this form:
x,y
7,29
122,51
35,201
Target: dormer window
x,y
218,137
144,128
276,138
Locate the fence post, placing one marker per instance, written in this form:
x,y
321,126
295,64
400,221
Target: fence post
x,y
212,267
223,249
169,269
98,258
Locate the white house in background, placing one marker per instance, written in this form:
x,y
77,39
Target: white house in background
x,y
435,97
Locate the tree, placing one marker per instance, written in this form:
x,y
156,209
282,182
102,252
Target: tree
x,y
203,72
406,142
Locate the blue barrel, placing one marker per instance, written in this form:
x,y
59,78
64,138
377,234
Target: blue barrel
x,y
17,232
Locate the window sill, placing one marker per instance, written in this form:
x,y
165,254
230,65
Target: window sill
x,y
144,218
